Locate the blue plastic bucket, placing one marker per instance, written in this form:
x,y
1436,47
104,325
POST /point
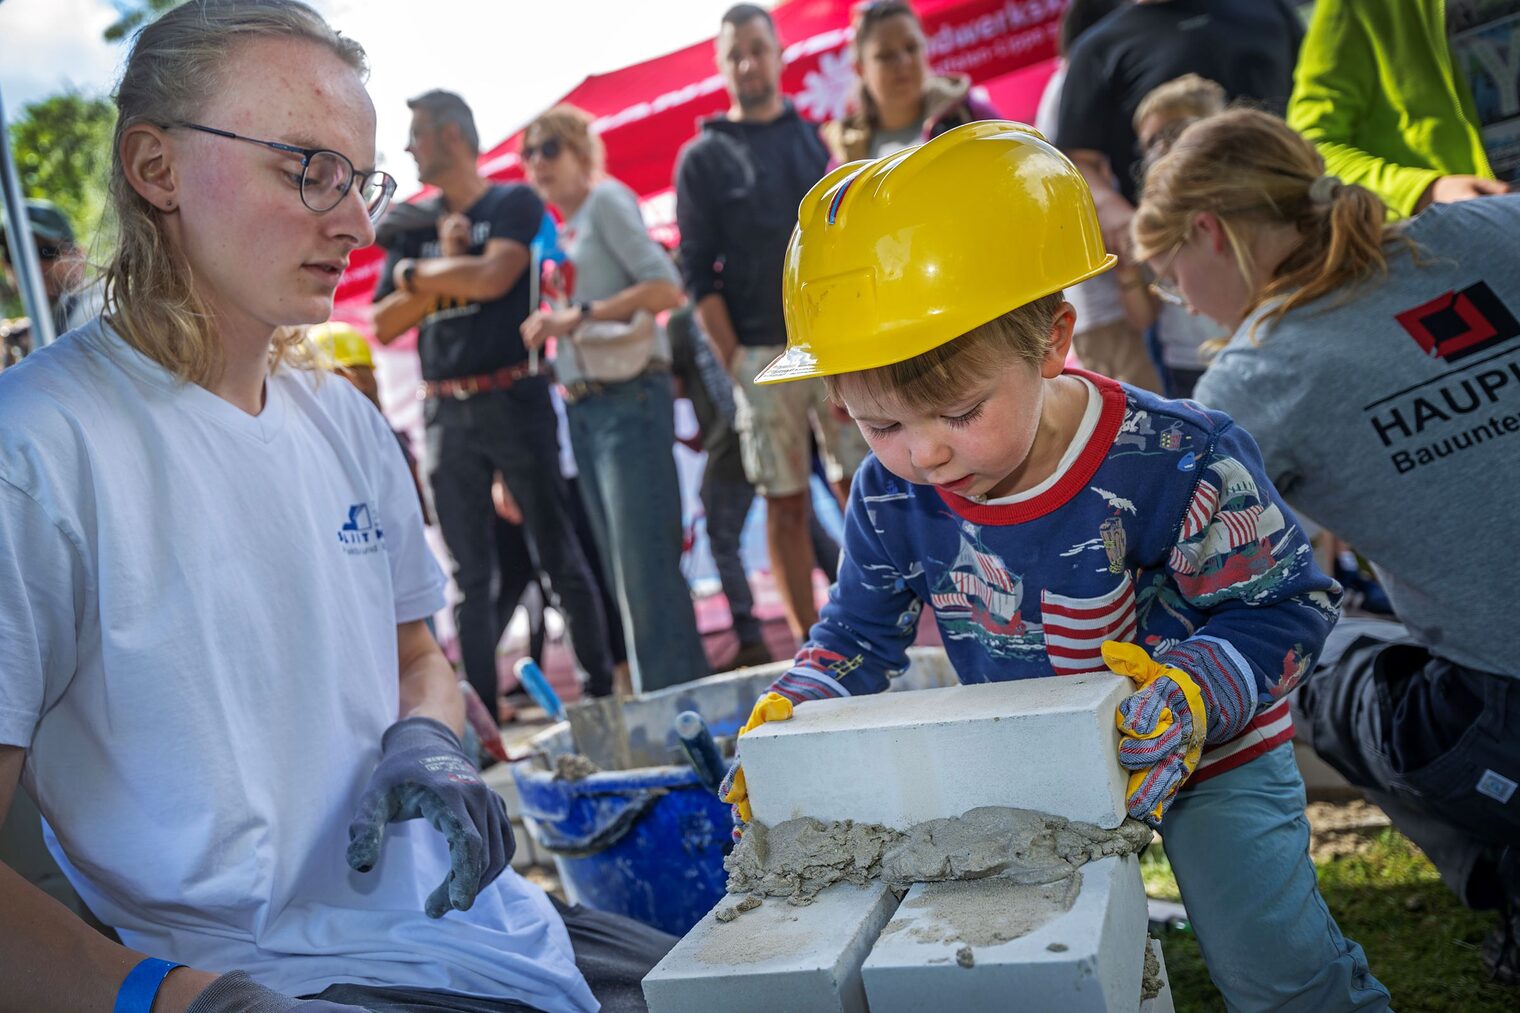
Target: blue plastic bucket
x,y
645,843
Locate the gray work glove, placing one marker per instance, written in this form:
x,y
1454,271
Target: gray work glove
x,y
424,773
238,993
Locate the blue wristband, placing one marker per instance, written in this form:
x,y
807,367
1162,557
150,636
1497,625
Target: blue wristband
x,y
141,985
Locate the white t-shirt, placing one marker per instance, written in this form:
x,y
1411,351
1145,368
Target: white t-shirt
x,y
199,614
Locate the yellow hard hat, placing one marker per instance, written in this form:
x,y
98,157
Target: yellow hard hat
x,y
342,343
896,256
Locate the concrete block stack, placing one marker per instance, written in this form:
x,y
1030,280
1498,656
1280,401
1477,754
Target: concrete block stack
x,y
1062,943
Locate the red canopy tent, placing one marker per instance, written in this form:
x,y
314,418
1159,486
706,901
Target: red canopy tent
x,y
647,111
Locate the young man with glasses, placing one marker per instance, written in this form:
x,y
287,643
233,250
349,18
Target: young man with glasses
x,y
459,271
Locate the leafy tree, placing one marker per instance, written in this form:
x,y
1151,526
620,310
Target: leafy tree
x,y
135,14
63,154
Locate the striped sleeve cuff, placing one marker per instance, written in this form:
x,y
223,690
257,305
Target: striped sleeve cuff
x,y
802,684
1224,679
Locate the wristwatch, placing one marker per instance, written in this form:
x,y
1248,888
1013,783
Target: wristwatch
x,y
585,309
408,269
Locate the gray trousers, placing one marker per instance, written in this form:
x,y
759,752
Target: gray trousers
x,y
1435,745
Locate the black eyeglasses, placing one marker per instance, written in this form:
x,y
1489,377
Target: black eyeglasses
x,y
326,176
549,150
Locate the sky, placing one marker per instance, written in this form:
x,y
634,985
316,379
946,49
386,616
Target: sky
x,y
510,59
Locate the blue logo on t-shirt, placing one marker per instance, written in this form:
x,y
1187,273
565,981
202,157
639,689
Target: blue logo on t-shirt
x,y
360,534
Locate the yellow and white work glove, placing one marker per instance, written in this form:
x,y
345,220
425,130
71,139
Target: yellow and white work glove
x,y
770,707
1162,727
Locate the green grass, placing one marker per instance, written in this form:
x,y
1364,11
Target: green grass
x,y
1419,940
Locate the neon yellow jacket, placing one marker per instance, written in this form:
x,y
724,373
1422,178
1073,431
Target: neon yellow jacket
x,y
1376,92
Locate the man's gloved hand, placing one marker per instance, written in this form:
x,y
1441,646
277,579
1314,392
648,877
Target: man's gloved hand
x,y
1162,725
424,773
770,707
238,993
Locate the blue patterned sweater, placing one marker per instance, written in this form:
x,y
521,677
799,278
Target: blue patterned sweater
x,y
1163,531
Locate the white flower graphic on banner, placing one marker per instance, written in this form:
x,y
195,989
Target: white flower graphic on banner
x,y
826,89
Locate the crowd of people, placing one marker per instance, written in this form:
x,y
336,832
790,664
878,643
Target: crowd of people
x,y
1237,300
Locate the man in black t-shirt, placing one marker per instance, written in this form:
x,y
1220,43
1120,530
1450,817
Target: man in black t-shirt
x,y
1248,46
458,269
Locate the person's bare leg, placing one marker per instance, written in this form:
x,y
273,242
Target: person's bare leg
x,y
786,530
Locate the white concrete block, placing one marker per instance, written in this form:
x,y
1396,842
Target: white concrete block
x,y
901,758
775,957
1085,960
1161,1002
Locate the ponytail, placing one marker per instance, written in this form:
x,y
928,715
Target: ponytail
x,y
1249,168
1342,247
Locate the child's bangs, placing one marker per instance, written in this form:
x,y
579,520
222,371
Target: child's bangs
x,y
925,382
938,377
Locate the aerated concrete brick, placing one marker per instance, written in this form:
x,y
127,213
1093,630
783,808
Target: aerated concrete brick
x,y
775,957
942,950
901,758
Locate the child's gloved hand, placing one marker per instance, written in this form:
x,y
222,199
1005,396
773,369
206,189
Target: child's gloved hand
x,y
770,707
1162,725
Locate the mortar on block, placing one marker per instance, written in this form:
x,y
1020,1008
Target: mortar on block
x,y
1000,808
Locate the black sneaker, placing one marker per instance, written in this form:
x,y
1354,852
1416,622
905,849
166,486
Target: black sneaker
x,y
753,653
1501,949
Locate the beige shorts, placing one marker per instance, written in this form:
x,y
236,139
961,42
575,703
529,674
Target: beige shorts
x,y
1117,350
774,422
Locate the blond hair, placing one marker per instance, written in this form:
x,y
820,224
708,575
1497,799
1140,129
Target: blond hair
x,y
1189,97
571,126
933,378
1250,169
175,62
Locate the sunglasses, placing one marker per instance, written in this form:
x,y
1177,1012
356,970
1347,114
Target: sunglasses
x,y
549,150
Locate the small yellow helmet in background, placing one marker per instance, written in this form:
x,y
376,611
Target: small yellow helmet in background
x,y
341,343
896,256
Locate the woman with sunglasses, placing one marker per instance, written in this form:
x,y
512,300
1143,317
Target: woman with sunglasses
x,y
218,685
1378,367
613,359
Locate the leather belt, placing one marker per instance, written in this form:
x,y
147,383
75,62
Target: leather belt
x,y
578,390
461,388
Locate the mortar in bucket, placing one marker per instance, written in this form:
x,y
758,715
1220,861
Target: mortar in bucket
x,y
642,837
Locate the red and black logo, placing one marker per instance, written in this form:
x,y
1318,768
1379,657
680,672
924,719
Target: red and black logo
x,y
1454,325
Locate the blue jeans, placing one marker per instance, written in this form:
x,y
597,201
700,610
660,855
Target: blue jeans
x,y
1239,846
623,435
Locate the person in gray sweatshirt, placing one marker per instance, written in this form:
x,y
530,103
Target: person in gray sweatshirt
x,y
1378,367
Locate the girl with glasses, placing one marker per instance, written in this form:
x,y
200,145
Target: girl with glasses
x,y
1378,368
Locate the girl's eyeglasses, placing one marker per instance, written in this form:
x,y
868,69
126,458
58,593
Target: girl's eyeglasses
x,y
326,175
1165,289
